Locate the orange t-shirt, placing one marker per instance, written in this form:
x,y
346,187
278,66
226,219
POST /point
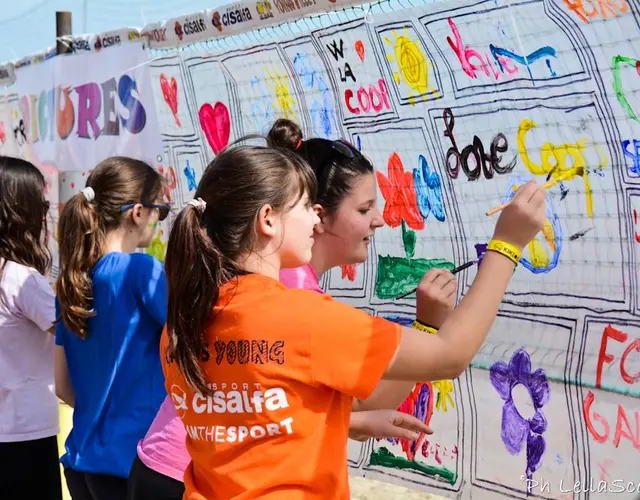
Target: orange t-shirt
x,y
284,366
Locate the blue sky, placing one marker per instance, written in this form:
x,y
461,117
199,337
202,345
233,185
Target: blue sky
x,y
29,26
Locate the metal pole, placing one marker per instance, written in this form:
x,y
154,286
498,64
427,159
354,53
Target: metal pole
x,y
63,28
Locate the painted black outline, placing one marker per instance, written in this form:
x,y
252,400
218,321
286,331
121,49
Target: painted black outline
x,y
413,125
581,389
633,262
250,51
330,65
172,62
605,320
415,477
506,85
233,105
529,299
307,123
178,151
572,406
426,97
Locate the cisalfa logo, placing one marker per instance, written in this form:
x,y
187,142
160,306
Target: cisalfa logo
x,y
179,398
178,29
215,20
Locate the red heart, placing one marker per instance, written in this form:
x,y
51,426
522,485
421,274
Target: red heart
x,y
360,49
170,94
2,133
216,124
638,67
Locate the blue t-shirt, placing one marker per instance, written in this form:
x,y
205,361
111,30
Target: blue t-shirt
x,y
116,372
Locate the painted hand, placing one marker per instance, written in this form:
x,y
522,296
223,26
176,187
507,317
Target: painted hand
x,y
385,424
436,297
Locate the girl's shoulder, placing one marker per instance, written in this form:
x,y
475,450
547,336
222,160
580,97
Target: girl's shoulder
x,y
17,273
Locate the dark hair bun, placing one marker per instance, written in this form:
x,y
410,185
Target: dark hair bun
x,y
284,134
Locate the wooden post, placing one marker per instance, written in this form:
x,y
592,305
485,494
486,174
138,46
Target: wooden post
x,y
63,28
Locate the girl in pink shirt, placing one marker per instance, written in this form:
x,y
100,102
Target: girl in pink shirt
x,y
346,205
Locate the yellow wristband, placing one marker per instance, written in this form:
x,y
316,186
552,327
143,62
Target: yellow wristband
x,y
424,328
510,251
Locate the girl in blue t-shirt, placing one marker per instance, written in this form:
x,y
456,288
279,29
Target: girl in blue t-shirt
x,y
111,305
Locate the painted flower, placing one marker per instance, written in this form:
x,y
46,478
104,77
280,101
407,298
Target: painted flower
x,y
517,430
399,194
419,404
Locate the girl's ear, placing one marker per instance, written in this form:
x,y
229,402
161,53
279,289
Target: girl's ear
x,y
267,221
319,227
135,214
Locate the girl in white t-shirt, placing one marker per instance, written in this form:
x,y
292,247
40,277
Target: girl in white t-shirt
x,y
28,404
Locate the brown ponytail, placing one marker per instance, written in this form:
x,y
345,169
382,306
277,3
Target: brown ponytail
x,y
205,246
192,255
84,225
81,241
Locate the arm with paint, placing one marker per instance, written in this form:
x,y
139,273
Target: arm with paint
x,y
447,355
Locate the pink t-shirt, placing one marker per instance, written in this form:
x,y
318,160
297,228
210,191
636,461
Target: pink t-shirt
x,y
164,449
303,277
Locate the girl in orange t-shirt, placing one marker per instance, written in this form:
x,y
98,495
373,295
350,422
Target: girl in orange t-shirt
x,y
263,376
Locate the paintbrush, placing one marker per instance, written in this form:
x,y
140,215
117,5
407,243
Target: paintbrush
x,y
577,173
454,271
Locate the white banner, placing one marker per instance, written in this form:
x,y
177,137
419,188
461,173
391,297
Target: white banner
x,y
74,111
233,19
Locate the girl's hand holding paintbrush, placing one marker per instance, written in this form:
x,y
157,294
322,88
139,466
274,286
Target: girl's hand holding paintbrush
x,y
436,297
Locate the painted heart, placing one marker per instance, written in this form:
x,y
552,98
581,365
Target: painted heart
x,y
360,49
638,67
216,124
3,135
170,94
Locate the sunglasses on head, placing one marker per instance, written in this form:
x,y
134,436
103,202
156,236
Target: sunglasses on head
x,y
163,208
341,147
344,148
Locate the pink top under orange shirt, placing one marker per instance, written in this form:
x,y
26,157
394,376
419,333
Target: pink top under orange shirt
x,y
297,403
163,449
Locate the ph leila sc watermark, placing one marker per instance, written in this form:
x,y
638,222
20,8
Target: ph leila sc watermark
x,y
615,486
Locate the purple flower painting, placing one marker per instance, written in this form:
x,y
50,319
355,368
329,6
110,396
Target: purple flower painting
x,y
517,430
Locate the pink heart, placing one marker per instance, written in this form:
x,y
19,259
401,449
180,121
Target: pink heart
x,y
216,124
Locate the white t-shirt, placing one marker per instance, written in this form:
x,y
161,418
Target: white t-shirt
x,y
28,404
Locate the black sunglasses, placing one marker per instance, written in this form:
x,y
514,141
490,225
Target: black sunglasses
x,y
343,148
163,208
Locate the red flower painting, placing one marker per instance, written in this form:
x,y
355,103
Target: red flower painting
x,y
348,271
419,404
399,194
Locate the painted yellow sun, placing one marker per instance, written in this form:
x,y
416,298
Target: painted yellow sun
x,y
283,101
413,66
